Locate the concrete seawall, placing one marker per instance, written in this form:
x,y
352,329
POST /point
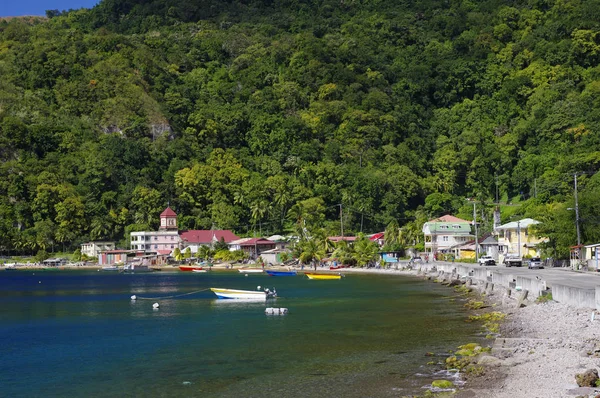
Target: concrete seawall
x,y
487,280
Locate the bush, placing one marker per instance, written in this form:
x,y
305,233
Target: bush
x,y
41,256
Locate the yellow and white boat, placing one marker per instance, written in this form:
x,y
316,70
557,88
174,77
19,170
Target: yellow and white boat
x,y
323,276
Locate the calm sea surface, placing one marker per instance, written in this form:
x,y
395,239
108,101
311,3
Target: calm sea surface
x,y
78,334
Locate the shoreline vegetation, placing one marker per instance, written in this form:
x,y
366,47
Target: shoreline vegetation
x,y
535,348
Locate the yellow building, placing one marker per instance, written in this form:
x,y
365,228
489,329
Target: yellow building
x,y
517,238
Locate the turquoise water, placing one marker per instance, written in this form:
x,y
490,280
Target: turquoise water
x,y
77,334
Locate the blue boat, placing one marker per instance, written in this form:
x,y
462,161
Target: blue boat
x,y
280,273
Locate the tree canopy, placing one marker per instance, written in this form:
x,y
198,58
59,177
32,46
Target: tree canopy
x,y
267,115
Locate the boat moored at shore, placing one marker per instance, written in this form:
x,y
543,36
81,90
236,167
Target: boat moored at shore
x,y
280,273
250,270
323,276
189,268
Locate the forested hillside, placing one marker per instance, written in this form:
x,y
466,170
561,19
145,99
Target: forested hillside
x,y
266,114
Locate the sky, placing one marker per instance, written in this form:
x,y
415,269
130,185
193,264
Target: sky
x,y
15,8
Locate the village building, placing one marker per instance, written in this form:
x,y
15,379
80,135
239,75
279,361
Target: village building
x,y
253,247
489,246
92,249
445,234
194,239
163,241
111,257
517,238
168,237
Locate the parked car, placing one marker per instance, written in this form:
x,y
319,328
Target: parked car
x,y
487,260
535,263
513,260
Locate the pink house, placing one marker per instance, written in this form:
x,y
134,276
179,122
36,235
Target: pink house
x,y
163,241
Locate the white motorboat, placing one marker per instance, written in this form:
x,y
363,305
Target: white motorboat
x,y
243,294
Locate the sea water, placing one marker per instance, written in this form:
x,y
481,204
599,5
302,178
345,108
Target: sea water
x,y
78,334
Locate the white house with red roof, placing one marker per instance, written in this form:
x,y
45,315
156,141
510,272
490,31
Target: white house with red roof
x,y
196,237
446,232
168,237
252,246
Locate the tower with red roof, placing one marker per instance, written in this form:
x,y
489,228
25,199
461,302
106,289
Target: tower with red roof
x,y
168,220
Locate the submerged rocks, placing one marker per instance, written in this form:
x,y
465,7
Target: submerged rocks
x,y
589,378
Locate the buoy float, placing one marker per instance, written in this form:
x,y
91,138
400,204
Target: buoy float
x,y
155,306
257,287
134,297
276,311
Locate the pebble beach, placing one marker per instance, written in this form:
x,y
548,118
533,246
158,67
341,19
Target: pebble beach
x,y
539,350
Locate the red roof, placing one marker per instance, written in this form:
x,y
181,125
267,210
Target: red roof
x,y
339,238
163,252
449,218
257,241
168,213
206,236
377,236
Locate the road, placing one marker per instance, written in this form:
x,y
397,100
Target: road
x,y
562,276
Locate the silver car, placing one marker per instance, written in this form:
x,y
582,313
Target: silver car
x,y
535,263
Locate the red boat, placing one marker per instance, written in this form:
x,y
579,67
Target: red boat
x,y
189,268
338,267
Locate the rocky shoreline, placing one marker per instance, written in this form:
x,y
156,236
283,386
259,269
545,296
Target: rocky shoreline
x,y
539,350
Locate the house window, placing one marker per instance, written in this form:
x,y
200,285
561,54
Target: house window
x,y
456,226
172,247
172,238
156,246
445,238
443,227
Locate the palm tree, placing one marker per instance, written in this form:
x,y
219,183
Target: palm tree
x,y
320,236
310,251
392,232
204,252
177,254
365,250
343,252
258,211
297,214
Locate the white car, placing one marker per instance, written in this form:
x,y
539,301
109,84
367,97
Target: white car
x,y
487,260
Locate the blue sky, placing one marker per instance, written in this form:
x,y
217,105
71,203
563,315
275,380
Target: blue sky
x,y
13,8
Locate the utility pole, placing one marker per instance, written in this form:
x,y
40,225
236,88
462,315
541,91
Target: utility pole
x,y
341,221
519,237
496,175
577,216
476,241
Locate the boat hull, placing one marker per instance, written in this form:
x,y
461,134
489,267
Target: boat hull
x,y
250,270
239,294
281,273
189,268
323,276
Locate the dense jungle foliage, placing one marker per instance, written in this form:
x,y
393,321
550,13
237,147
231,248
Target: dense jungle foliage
x,y
272,115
